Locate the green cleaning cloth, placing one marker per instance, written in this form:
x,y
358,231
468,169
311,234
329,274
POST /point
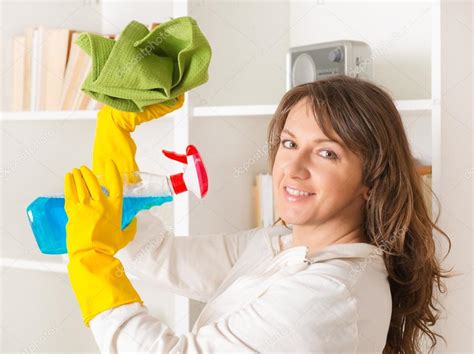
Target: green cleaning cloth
x,y
142,68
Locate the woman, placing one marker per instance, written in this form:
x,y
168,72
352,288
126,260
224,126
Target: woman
x,y
354,271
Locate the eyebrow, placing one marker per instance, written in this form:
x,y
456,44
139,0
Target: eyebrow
x,y
316,140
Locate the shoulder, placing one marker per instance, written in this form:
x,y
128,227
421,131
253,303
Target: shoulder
x,y
313,308
267,237
359,267
365,278
260,239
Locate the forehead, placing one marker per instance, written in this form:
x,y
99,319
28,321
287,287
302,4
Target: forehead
x,y
301,122
301,109
301,119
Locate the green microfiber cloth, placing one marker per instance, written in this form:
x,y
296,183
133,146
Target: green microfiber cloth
x,y
142,68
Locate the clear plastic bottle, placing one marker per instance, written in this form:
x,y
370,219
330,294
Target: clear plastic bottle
x,y
142,190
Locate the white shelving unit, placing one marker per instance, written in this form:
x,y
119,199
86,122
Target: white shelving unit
x,y
183,116
188,216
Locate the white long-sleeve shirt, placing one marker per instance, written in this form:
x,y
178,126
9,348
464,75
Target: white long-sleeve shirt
x,y
261,296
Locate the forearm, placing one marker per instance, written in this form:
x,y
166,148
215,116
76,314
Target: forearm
x,y
192,266
113,134
111,140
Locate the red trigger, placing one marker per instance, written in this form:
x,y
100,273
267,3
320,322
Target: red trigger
x,y
174,156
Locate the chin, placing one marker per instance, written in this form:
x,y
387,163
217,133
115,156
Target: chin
x,y
293,219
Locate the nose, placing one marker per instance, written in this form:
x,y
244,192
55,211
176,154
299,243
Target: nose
x,y
297,166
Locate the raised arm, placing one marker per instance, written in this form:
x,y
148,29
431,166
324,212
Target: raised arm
x,y
192,266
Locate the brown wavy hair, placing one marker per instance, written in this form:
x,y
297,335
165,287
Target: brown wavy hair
x,y
396,218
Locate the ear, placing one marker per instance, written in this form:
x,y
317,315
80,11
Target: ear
x,y
366,192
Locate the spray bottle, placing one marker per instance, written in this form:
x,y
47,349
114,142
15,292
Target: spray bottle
x,y
142,190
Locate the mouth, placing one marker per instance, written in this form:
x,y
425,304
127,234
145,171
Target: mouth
x,y
295,195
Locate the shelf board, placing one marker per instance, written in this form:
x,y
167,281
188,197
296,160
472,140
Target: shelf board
x,y
414,105
235,111
43,266
49,115
54,267
52,115
268,110
203,111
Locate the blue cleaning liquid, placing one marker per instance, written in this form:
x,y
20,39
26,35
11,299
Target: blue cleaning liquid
x,y
48,219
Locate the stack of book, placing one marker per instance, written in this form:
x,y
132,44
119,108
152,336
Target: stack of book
x,y
425,173
263,200
49,69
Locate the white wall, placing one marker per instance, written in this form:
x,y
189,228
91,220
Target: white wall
x,y
249,40
399,35
397,32
457,173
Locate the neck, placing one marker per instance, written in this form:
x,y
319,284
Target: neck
x,y
316,237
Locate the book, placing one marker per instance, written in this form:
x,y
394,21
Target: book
x,y
78,67
49,53
19,79
36,63
427,196
75,72
263,200
28,61
54,49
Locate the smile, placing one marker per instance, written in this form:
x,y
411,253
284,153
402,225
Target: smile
x,y
294,195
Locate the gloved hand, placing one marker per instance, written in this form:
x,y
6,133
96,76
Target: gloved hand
x,y
93,236
95,276
113,138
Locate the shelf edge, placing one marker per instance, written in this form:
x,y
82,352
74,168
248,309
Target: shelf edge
x,y
48,115
53,267
268,110
43,266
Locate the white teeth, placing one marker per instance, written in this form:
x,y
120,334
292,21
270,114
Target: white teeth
x,y
296,192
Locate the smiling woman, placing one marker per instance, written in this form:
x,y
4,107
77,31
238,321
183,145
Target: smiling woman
x,y
355,274
343,172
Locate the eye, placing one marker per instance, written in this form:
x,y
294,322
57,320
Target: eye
x,y
332,156
289,144
285,144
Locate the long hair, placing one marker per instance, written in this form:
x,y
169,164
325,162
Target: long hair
x,y
396,218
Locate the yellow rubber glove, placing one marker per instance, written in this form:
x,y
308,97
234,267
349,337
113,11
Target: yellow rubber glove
x,y
91,269
113,138
93,236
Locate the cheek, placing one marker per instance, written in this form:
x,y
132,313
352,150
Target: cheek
x,y
282,158
276,176
277,169
337,186
330,183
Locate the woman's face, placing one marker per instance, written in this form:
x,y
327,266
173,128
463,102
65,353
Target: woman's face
x,y
327,172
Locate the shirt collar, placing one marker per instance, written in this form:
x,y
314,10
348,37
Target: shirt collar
x,y
339,250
